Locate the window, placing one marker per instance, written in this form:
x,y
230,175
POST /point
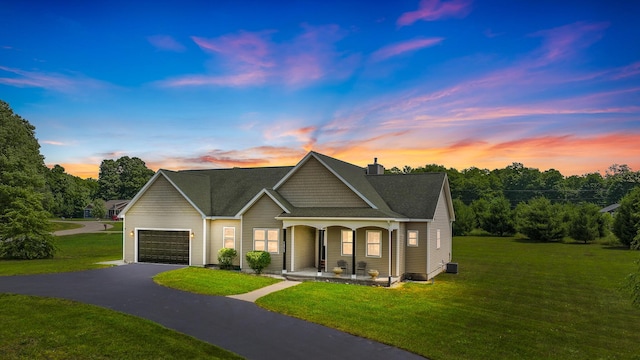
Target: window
x,y
347,242
412,238
265,240
438,239
229,237
374,242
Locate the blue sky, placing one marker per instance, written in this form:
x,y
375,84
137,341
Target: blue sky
x,y
199,84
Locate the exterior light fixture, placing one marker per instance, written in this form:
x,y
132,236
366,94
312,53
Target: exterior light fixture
x,y
131,233
192,235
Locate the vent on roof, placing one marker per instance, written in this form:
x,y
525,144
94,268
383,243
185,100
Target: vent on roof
x,y
375,168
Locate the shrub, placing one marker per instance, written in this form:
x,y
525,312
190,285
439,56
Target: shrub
x,y
27,248
258,260
226,257
539,220
584,222
626,223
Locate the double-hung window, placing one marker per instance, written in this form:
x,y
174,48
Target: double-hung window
x,y
374,243
412,238
266,240
347,242
229,237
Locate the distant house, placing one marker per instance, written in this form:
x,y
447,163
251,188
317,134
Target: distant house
x,y
611,209
308,217
114,207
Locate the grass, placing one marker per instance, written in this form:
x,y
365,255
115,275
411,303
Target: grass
x,y
44,328
513,299
75,253
212,282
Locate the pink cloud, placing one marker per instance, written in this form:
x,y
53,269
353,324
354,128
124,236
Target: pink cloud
x,y
237,80
253,59
242,49
431,10
55,143
404,47
166,43
49,81
563,42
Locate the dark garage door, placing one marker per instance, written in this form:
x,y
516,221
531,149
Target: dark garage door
x,y
165,247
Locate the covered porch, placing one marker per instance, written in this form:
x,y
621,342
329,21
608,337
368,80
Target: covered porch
x,y
311,274
314,247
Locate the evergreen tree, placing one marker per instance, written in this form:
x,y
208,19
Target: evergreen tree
x,y
626,223
498,219
584,222
539,220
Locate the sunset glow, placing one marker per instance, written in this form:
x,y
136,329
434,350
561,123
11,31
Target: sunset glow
x,y
458,83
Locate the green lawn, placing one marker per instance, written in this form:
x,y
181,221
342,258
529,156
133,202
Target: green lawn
x,y
212,282
43,328
75,253
513,299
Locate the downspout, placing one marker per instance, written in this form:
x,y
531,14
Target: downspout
x,y
390,257
241,240
428,248
293,251
398,252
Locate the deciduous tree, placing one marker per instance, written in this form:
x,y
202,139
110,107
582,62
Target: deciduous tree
x,y
24,224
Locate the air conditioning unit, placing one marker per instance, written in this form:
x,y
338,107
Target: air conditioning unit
x,y
452,268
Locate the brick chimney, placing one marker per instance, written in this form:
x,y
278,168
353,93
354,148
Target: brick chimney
x,y
375,168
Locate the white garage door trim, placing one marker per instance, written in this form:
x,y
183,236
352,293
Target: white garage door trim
x,y
135,232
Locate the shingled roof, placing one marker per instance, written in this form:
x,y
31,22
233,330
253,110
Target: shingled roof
x,y
225,192
413,195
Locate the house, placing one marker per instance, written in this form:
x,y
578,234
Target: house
x,y
114,207
307,217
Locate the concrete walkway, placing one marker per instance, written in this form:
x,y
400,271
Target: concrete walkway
x,y
256,294
238,326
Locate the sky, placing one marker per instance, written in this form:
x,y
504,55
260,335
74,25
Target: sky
x,y
217,84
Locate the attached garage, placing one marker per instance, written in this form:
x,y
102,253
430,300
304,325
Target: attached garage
x,y
163,246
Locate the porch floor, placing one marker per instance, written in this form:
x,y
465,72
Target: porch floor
x,y
311,274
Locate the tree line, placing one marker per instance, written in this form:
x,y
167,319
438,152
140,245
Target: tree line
x,y
30,193
500,201
543,205
518,183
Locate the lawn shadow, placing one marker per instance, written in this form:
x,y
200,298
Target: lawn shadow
x,y
615,247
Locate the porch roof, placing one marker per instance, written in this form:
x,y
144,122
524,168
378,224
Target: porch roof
x,y
340,212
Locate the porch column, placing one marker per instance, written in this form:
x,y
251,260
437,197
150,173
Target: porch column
x,y
320,245
353,255
284,253
390,248
293,251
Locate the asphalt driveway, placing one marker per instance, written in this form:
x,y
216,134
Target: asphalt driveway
x,y
238,326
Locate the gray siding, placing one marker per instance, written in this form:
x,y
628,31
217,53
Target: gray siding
x,y
382,263
216,238
441,221
416,257
304,248
312,185
262,215
163,208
